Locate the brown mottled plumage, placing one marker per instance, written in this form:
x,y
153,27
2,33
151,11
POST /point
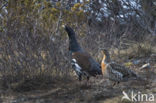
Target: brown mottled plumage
x,y
114,71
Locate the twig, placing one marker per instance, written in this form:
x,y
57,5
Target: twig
x,y
4,5
60,18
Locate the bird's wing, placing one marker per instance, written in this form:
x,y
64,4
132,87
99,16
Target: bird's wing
x,y
87,63
95,66
113,74
82,60
122,69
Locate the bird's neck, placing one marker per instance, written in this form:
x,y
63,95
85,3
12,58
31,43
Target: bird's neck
x,y
106,59
73,44
103,67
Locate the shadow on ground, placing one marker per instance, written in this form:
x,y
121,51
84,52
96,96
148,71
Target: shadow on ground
x,y
97,90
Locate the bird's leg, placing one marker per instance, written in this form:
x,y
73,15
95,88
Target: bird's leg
x,y
108,83
80,77
88,81
94,80
118,82
115,83
87,78
86,74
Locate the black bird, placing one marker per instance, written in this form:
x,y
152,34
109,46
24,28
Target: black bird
x,y
82,62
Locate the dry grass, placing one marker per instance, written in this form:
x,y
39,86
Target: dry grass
x,y
47,85
50,85
134,51
27,81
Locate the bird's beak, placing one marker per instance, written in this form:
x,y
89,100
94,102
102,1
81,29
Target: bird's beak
x,y
103,50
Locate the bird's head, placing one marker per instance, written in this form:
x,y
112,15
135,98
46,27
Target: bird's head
x,y
104,52
69,30
106,56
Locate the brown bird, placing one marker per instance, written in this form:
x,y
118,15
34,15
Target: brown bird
x,y
82,62
115,72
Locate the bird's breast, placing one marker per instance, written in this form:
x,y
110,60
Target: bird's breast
x,y
103,67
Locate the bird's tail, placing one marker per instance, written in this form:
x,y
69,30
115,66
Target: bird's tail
x,y
138,77
141,78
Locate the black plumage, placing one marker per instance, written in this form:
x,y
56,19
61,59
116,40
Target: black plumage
x,y
88,65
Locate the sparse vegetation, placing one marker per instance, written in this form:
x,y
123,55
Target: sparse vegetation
x,y
34,56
